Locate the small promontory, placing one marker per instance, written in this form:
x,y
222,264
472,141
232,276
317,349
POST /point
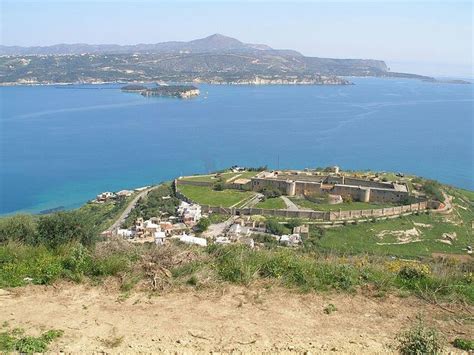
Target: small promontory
x,y
181,91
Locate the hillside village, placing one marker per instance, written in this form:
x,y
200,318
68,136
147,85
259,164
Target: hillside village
x,y
345,198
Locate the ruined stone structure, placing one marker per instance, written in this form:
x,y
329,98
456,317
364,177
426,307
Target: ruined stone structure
x,y
293,183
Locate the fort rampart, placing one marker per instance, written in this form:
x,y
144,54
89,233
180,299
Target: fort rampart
x,y
327,216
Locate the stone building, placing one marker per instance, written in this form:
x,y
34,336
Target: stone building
x,y
293,183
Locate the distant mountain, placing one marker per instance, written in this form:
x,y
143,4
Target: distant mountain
x,y
213,43
214,59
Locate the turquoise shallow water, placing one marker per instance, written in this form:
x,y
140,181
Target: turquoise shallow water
x,y
60,146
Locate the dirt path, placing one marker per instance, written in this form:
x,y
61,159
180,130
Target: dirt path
x,y
290,205
228,319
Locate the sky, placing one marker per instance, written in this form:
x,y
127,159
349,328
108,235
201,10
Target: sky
x,y
425,37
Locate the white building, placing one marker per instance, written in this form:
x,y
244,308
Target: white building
x,y
190,239
292,239
190,213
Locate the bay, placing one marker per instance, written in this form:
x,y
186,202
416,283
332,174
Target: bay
x,y
61,145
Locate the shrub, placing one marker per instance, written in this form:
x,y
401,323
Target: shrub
x,y
15,341
433,189
218,186
330,308
347,199
19,228
463,344
265,239
202,225
294,222
412,273
274,227
64,227
419,339
270,192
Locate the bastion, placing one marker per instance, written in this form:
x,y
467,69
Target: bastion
x,y
295,182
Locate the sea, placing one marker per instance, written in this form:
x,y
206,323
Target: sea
x,y
61,145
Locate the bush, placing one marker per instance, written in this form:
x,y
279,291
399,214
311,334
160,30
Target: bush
x,y
15,341
463,344
294,222
412,273
218,186
202,225
270,192
419,339
64,227
19,228
274,227
433,189
330,308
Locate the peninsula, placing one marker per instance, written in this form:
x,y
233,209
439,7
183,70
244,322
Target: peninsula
x,y
180,91
216,59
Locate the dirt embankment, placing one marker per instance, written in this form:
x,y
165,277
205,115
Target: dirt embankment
x,y
228,319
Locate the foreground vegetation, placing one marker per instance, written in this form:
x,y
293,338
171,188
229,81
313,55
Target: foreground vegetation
x,y
15,340
351,258
158,268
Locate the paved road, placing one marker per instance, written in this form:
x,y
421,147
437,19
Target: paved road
x,y
118,222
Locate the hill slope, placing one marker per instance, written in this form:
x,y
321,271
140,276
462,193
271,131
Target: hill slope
x,y
214,59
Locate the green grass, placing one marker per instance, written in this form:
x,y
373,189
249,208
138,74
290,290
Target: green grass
x,y
210,177
16,341
207,196
22,264
102,215
362,238
276,203
224,176
304,203
311,272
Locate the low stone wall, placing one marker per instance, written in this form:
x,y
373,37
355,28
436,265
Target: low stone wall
x,y
193,183
377,213
317,215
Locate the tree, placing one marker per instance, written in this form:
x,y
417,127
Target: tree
x,y
270,192
294,222
64,227
218,186
274,227
20,228
202,225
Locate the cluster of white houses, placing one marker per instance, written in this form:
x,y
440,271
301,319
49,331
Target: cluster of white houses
x,y
159,230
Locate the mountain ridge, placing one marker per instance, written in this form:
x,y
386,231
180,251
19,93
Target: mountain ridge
x,y
215,42
212,59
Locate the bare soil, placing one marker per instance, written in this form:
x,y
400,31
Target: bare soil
x,y
228,319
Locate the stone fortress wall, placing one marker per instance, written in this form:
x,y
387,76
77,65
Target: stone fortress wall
x,y
293,183
322,216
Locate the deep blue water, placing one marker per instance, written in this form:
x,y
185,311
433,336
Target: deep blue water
x,y
60,146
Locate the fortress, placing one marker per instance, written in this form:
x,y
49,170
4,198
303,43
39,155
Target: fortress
x,y
293,183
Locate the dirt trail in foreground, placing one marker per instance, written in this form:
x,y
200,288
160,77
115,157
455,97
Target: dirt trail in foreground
x,y
225,320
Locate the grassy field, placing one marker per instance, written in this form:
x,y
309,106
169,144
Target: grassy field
x,y
272,203
224,176
303,203
207,196
210,178
410,236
